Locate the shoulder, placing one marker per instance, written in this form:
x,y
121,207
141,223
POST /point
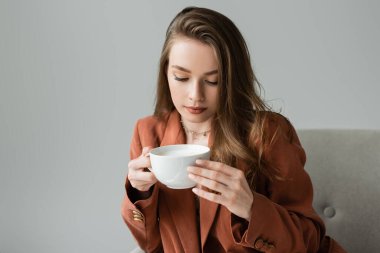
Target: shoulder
x,y
151,125
273,119
280,148
282,139
149,122
148,132
277,125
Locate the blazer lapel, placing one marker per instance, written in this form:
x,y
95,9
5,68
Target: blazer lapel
x,y
208,209
173,133
207,215
181,203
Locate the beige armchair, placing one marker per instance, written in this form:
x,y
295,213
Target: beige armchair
x,y
344,166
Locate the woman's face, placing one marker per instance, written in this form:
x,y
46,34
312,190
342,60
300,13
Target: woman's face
x,y
193,79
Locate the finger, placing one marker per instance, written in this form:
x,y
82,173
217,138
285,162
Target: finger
x,y
145,151
213,197
142,176
139,163
211,184
141,186
210,174
217,166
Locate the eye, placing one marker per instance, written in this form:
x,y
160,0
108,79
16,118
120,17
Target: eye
x,y
180,79
211,83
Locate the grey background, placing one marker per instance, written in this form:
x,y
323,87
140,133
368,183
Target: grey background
x,y
75,76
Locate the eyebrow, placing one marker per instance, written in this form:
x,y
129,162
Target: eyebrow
x,y
188,71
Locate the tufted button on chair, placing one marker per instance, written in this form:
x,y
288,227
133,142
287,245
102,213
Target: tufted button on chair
x,y
344,166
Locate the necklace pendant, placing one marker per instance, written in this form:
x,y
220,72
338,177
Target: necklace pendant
x,y
194,133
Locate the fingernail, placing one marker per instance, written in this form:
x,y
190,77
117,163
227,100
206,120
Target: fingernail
x,y
191,176
190,169
195,190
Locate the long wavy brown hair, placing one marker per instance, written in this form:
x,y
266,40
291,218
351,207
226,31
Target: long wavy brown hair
x,y
240,117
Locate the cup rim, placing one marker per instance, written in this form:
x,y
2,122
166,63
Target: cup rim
x,y
202,150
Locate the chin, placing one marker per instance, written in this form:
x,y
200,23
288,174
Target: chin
x,y
195,118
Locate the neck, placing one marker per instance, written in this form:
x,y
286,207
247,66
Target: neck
x,y
196,131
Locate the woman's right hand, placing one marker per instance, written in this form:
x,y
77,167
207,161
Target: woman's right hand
x,y
138,173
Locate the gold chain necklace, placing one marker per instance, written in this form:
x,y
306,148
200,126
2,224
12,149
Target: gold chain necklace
x,y
194,133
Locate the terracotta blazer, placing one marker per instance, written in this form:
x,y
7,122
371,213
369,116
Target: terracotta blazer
x,y
282,220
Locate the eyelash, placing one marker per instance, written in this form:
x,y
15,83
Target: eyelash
x,y
180,79
185,79
211,83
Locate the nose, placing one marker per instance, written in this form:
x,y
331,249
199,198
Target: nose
x,y
196,91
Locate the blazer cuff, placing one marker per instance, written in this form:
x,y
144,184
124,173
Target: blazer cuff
x,y
251,234
135,199
140,213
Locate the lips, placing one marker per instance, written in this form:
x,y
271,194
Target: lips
x,y
195,110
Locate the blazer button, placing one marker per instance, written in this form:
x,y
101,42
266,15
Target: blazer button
x,y
259,243
268,247
137,212
265,247
138,216
140,219
271,247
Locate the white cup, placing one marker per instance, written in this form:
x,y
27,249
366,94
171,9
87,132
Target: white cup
x,y
169,163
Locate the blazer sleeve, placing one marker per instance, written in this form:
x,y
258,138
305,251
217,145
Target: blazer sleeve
x,y
141,215
282,218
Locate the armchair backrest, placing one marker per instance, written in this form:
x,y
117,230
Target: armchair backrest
x,y
344,166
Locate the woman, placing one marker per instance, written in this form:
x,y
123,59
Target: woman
x,y
253,195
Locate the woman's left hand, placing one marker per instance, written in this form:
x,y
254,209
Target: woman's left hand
x,y
228,184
